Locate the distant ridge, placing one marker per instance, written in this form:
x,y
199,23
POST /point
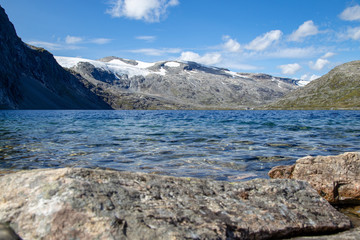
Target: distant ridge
x,y
30,78
338,89
131,84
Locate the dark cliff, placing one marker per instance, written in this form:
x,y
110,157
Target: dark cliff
x,y
30,77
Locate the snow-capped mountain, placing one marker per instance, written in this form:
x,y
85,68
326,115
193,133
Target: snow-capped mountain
x,y
130,84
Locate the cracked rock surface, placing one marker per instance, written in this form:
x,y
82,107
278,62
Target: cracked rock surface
x,y
103,204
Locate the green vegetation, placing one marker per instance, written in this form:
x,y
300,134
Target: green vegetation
x,y
339,89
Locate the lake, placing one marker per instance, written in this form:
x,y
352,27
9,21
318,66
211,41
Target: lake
x,y
222,145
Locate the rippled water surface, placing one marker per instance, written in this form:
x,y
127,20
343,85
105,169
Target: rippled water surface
x,y
225,145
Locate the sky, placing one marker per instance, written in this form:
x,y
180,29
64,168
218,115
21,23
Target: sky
x,y
297,39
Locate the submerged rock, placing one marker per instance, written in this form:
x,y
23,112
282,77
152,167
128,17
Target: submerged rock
x,y
102,204
336,178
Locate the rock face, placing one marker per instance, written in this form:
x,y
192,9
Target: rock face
x,y
103,204
339,89
336,178
30,78
128,84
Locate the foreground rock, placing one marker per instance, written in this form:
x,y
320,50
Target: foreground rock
x,y
102,204
336,178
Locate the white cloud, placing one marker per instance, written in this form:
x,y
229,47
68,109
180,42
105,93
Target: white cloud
x,y
306,29
46,45
207,59
291,53
147,10
263,42
328,55
146,38
230,44
319,64
156,52
101,41
351,13
53,46
290,69
353,33
307,77
73,40
238,66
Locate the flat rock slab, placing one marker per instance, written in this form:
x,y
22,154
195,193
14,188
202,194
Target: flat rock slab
x,y
336,178
102,204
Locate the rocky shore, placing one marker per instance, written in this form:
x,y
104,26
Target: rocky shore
x,y
74,203
336,178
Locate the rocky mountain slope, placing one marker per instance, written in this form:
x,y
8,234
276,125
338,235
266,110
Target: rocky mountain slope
x,y
30,78
339,89
130,84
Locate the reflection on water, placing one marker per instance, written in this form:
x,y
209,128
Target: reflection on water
x,y
226,145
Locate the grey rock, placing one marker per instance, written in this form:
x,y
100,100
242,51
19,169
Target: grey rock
x,y
104,204
336,178
30,77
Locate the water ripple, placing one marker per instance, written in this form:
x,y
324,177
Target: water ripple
x,y
224,145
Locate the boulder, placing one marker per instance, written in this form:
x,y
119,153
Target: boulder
x,y
104,204
336,178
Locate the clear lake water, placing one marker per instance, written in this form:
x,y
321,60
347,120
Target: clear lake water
x,y
222,145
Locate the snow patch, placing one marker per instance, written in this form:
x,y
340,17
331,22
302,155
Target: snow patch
x,y
115,66
234,74
161,72
144,64
172,64
302,83
69,62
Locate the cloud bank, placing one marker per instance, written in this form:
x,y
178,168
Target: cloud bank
x,y
146,10
290,69
230,44
207,59
265,41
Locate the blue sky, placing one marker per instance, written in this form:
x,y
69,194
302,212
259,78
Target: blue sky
x,y
297,39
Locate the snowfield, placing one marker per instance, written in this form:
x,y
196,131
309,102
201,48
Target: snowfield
x,y
117,66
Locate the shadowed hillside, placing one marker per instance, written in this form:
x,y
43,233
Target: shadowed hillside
x,y
30,78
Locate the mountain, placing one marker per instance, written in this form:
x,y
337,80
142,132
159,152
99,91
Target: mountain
x,y
339,89
30,77
131,84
